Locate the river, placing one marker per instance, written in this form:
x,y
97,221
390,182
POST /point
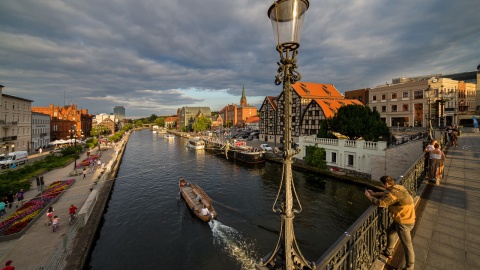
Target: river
x,y
146,224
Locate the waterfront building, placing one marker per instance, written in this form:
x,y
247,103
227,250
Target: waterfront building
x,y
237,115
170,122
253,122
40,131
63,118
217,121
16,113
404,102
108,124
189,114
311,103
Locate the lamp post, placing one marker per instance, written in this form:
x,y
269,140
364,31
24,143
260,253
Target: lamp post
x,y
429,94
287,18
74,135
443,97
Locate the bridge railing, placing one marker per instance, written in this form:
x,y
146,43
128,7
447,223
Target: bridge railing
x,y
361,244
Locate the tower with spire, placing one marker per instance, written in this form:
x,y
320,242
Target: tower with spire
x,y
243,99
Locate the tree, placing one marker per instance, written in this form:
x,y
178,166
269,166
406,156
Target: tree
x,y
315,157
228,124
358,121
151,119
160,121
139,123
201,124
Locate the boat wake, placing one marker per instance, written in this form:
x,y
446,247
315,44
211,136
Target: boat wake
x,y
232,243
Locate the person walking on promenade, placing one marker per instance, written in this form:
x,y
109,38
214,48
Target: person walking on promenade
x,y
20,197
429,150
72,212
8,266
2,208
455,138
436,169
402,209
10,199
49,216
84,172
40,150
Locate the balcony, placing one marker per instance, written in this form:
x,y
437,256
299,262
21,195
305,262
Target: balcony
x,y
7,125
7,139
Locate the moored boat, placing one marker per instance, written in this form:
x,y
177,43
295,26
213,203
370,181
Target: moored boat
x,y
196,199
237,151
169,136
196,143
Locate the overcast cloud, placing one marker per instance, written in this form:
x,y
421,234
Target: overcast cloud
x,y
154,56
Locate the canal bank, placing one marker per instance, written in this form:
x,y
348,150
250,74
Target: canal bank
x,y
39,247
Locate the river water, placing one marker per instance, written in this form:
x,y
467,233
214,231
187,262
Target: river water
x,y
148,226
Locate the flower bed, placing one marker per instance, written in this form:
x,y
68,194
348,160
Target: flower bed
x,y
18,220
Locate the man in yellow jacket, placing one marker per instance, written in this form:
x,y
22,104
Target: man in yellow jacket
x,y
402,209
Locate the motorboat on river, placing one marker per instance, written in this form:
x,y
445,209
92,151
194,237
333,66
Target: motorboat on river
x,y
169,136
196,200
196,143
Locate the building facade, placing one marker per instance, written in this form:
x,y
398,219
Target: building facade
x,y
234,115
359,94
189,114
407,103
40,130
119,113
308,110
16,113
64,119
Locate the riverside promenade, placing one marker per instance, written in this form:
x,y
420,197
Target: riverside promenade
x,y
37,245
447,232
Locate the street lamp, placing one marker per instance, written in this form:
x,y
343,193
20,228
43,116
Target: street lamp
x,y
74,135
429,94
443,97
287,18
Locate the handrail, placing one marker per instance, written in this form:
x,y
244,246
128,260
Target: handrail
x,y
361,244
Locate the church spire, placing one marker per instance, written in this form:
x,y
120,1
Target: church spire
x,y
243,99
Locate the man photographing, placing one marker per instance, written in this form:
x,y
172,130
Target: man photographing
x,y
402,209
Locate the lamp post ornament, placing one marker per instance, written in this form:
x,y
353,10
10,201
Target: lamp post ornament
x,y
287,19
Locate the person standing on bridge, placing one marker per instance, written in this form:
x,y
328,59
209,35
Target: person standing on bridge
x,y
402,209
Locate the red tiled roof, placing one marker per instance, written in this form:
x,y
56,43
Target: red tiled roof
x,y
330,107
253,119
316,90
272,99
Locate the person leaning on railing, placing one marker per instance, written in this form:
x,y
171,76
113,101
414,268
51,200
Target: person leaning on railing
x,y
402,209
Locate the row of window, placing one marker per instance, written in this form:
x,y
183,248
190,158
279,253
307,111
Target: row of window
x,y
350,159
41,121
26,107
394,108
417,94
18,118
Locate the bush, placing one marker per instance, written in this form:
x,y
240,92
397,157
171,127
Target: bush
x,y
315,157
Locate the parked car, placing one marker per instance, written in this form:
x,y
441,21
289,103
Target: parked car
x,y
266,147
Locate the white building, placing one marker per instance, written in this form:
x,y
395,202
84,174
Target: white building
x,y
364,159
40,130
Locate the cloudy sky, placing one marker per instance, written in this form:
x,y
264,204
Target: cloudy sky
x,y
154,56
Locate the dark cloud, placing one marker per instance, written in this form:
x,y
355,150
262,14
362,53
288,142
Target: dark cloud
x,y
146,55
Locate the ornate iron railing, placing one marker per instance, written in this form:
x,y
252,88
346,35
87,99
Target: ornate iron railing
x,y
361,244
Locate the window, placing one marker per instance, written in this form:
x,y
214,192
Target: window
x,y
405,107
350,160
334,157
374,98
374,108
384,108
405,95
418,94
394,95
384,97
360,98
394,108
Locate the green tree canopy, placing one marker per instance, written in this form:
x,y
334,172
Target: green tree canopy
x,y
201,123
358,121
315,157
160,121
139,123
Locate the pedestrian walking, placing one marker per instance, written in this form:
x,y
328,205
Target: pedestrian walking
x,y
8,265
84,172
91,165
402,209
10,199
40,150
49,220
99,163
2,209
20,197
